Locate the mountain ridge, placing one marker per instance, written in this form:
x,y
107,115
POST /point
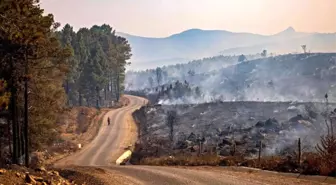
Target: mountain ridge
x,y
198,43
288,29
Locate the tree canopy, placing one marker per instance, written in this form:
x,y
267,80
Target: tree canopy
x,y
97,66
44,68
30,51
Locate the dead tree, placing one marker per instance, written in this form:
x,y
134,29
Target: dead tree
x,y
259,152
327,146
299,152
304,48
171,121
264,53
200,144
233,148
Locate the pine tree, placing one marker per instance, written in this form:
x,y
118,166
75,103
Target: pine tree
x,y
33,61
101,57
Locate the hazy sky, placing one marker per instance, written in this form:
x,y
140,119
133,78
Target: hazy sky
x,y
160,18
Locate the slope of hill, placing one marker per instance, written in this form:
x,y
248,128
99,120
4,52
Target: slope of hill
x,y
197,43
292,77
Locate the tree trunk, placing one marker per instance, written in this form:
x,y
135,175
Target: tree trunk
x,y
23,143
25,127
97,98
19,138
1,164
13,114
26,139
259,152
9,136
105,95
80,99
299,152
118,81
14,124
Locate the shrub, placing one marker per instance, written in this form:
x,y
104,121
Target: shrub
x,y
202,160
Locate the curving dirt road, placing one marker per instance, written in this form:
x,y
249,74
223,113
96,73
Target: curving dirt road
x,y
111,139
98,159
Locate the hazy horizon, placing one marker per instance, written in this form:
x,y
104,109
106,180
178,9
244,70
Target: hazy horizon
x,y
158,18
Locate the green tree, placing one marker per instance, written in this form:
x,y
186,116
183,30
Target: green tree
x,y
68,37
30,51
100,69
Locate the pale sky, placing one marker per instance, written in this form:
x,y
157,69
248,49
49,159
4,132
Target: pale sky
x,y
161,18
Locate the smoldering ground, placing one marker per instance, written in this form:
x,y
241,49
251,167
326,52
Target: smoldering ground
x,y
277,125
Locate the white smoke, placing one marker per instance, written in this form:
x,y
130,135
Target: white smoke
x,y
284,78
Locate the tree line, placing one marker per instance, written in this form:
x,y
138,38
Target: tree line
x,y
43,70
97,66
186,71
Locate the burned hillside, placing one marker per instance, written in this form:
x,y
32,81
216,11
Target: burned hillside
x,y
292,77
228,127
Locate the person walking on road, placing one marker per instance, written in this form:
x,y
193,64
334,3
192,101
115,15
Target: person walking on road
x,y
108,121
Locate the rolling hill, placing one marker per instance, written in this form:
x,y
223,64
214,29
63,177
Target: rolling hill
x,y
196,43
291,77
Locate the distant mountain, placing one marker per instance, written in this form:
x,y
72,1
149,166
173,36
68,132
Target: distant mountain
x,y
197,43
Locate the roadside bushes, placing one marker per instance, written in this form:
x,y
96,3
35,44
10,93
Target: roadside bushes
x,y
312,163
183,160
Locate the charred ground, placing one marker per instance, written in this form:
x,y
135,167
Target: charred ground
x,y
231,128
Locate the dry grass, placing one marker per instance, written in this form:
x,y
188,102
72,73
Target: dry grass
x,y
122,102
84,124
203,160
312,163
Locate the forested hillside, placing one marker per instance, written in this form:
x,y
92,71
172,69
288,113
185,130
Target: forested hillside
x,y
43,70
153,77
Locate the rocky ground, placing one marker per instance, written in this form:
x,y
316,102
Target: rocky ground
x,y
233,127
19,175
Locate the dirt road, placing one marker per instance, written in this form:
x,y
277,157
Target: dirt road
x,y
98,159
202,175
111,139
